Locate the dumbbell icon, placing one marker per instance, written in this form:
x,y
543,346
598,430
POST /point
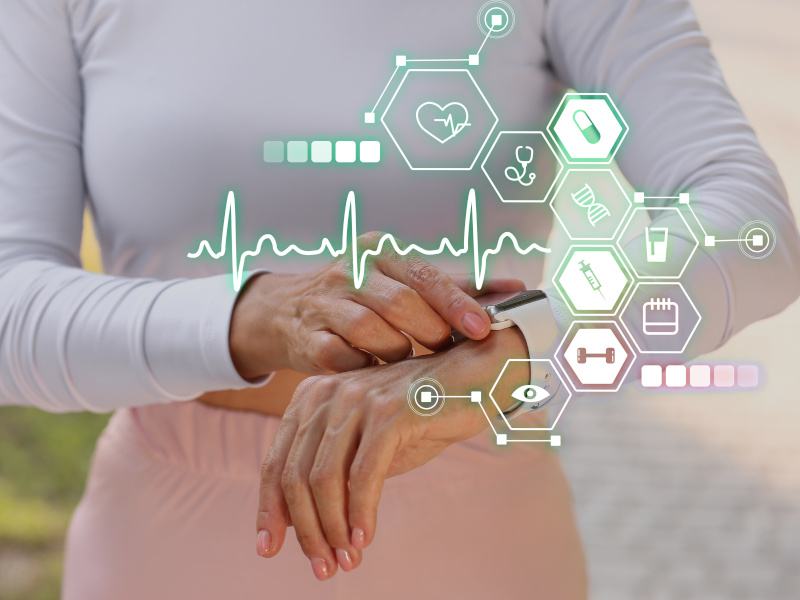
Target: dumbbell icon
x,y
584,355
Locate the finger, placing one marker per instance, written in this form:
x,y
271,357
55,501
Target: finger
x,y
297,491
328,480
331,354
367,474
273,515
455,306
492,286
363,328
404,309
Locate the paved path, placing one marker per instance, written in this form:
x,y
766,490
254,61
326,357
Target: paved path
x,y
698,496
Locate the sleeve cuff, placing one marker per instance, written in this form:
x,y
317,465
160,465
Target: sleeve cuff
x,y
186,338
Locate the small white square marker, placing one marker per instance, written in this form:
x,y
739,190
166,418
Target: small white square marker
x,y
502,439
369,151
676,376
474,60
700,376
400,60
555,441
369,117
321,151
710,241
475,397
638,197
346,152
683,198
652,376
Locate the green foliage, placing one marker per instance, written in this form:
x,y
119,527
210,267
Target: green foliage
x,y
47,456
28,521
44,460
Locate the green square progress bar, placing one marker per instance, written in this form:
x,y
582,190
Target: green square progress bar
x,y
273,152
297,152
321,151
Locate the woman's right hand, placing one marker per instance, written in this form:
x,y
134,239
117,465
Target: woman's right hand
x,y
320,323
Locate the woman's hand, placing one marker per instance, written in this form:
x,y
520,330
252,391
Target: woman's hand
x,y
319,322
342,435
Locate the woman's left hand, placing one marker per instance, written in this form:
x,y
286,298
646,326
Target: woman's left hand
x,y
343,435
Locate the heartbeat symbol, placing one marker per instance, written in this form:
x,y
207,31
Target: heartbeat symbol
x,y
349,240
432,112
450,123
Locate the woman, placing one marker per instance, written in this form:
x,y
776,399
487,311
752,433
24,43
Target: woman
x,y
150,111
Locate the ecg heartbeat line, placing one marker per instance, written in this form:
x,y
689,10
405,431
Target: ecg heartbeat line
x,y
450,123
228,244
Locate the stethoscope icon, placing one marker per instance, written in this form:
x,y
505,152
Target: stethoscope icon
x,y
521,175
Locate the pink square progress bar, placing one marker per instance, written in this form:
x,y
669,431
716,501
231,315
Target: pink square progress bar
x,y
702,376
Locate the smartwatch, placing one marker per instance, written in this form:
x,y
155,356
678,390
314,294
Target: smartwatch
x,y
532,314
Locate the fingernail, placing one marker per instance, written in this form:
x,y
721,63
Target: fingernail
x,y
343,556
358,538
473,324
263,541
320,568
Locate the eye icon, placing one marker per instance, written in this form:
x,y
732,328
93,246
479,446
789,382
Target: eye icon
x,y
531,394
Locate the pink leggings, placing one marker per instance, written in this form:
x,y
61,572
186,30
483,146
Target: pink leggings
x,y
169,512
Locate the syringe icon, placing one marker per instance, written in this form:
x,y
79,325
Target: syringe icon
x,y
591,278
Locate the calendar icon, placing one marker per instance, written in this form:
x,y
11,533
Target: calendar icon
x,y
660,316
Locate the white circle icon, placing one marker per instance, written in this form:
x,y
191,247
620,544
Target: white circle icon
x,y
496,19
426,397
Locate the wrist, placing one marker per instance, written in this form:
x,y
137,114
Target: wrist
x,y
475,365
253,321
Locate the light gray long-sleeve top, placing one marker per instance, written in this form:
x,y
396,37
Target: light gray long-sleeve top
x,y
149,111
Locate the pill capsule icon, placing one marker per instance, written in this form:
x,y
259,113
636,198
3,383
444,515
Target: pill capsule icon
x,y
586,126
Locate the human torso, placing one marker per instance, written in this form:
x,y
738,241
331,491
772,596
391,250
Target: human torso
x,y
179,98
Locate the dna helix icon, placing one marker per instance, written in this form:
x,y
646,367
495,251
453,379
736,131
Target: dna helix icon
x,y
595,211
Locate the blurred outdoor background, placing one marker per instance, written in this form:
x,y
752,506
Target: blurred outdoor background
x,y
677,496
698,496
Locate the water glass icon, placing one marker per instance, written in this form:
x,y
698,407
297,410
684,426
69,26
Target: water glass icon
x,y
657,242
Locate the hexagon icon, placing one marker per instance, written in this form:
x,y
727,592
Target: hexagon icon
x,y
593,280
591,204
522,166
658,250
588,128
439,119
661,318
553,388
595,356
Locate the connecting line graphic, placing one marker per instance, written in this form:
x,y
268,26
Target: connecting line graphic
x,y
229,246
508,437
683,200
402,61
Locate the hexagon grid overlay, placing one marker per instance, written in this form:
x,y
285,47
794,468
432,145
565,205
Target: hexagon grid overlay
x,y
661,249
593,280
522,166
596,356
501,420
661,318
439,119
591,204
588,128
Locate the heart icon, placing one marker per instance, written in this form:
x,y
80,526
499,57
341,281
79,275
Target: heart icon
x,y
442,123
